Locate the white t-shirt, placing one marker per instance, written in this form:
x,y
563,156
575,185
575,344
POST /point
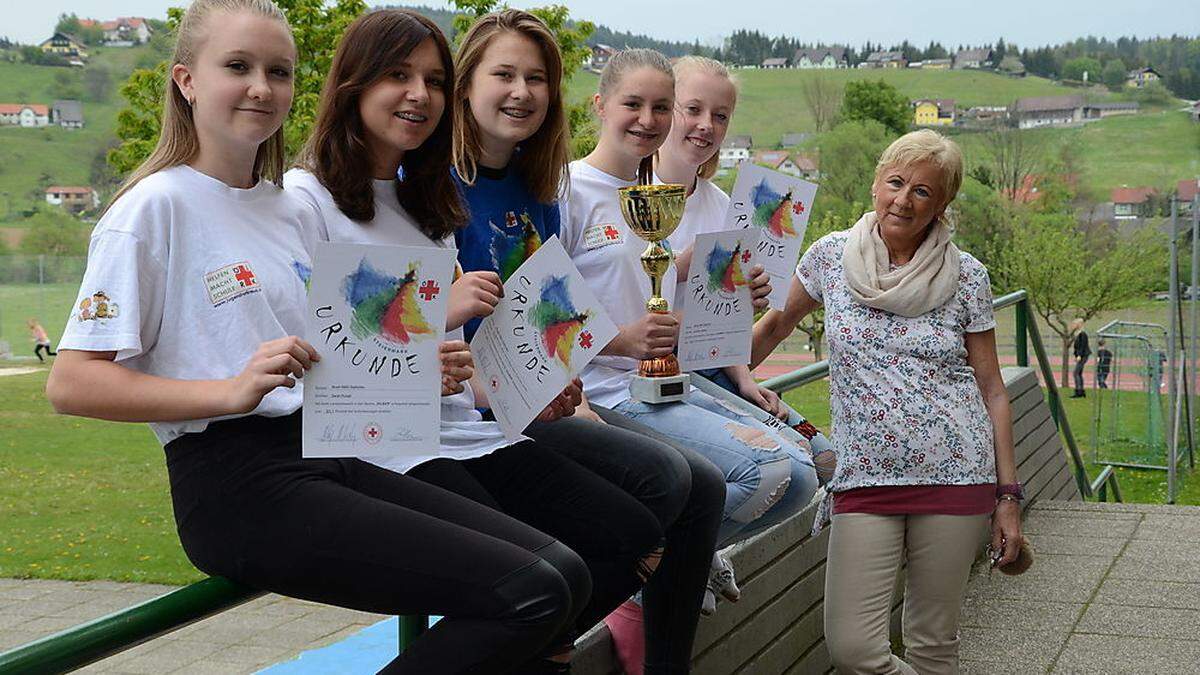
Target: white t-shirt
x,y
186,276
464,433
607,254
703,213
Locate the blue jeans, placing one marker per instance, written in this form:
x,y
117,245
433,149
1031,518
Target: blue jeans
x,y
767,478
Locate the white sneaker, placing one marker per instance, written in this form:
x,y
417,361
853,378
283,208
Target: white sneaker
x,y
720,582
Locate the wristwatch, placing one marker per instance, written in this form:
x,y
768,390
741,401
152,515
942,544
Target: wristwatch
x,y
1012,491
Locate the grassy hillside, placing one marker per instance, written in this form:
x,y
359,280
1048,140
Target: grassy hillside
x,y
64,156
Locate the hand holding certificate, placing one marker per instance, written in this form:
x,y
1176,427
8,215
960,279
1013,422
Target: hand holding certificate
x,y
779,205
718,319
377,315
547,327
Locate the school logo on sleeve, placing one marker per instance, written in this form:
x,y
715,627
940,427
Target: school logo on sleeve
x,y
604,234
97,307
229,282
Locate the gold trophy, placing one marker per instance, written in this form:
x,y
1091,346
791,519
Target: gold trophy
x,y
653,212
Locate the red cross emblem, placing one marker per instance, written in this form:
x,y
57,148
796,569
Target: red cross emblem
x,y
585,339
798,208
745,256
712,353
244,276
611,232
372,433
429,290
495,384
510,219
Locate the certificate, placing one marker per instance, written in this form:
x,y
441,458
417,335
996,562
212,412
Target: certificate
x,y
718,317
779,205
547,327
377,315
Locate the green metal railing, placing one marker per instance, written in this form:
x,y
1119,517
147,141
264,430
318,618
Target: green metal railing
x,y
1027,332
92,641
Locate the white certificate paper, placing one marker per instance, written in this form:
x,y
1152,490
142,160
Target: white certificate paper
x,y
779,205
547,327
377,315
718,317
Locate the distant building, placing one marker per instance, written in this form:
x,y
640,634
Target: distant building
x,y
1141,77
67,113
1185,192
1011,66
600,56
1131,202
807,166
72,198
1095,111
929,112
123,31
1042,111
794,139
779,160
734,151
828,57
884,60
24,115
987,113
974,58
936,64
66,46
777,62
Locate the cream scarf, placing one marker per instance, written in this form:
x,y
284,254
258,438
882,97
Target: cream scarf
x,y
925,282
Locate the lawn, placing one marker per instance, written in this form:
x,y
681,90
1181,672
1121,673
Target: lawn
x,y
50,303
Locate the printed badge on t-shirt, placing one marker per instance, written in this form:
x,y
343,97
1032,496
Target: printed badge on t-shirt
x,y
229,282
604,234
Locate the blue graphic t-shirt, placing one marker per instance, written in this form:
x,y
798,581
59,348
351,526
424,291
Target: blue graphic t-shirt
x,y
506,226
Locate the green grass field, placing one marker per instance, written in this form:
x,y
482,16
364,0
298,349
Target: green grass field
x,y
50,303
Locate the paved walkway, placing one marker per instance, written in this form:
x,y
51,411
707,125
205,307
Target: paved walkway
x,y
1114,589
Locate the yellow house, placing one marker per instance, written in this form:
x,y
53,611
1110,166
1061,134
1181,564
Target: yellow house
x,y
1141,77
64,45
929,112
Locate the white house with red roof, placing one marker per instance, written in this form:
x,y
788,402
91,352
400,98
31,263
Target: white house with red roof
x,y
72,197
1131,202
24,114
122,31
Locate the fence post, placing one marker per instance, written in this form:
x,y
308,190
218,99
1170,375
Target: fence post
x,y
1022,336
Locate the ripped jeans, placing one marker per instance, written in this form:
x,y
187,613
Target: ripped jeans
x,y
767,478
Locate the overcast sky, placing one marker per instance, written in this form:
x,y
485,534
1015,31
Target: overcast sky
x,y
1026,22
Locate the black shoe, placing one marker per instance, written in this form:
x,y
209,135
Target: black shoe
x,y
1079,394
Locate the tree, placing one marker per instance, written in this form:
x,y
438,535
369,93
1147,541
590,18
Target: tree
x,y
823,98
67,23
1067,279
54,232
1014,157
879,101
848,154
1079,68
1114,74
316,28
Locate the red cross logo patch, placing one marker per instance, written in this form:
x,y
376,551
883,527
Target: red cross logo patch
x,y
585,339
244,276
798,207
611,232
712,353
372,433
745,256
429,289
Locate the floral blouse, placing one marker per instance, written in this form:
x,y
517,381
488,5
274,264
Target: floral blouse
x,y
906,407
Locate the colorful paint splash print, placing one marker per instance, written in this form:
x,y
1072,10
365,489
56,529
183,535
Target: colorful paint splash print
x,y
304,272
384,305
557,319
772,210
725,268
509,251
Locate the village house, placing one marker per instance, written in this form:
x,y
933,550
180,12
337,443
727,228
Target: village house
x,y
884,60
986,113
72,198
974,58
600,56
929,112
807,166
1131,202
936,64
734,151
66,46
67,113
1185,193
24,115
1095,111
124,31
778,160
777,62
1042,111
827,57
1141,77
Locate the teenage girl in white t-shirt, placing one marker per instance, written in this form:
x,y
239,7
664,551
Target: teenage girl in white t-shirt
x,y
383,113
705,98
511,150
188,318
767,477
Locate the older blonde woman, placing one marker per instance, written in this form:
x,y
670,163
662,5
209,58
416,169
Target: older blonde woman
x,y
921,418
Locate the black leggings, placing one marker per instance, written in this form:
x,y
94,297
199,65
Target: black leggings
x,y
37,351
347,533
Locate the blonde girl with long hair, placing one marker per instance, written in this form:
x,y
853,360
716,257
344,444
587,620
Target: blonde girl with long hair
x,y
201,264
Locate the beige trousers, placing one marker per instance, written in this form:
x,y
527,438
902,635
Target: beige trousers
x,y
865,552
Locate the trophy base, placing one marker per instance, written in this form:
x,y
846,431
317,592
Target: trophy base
x,y
659,389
